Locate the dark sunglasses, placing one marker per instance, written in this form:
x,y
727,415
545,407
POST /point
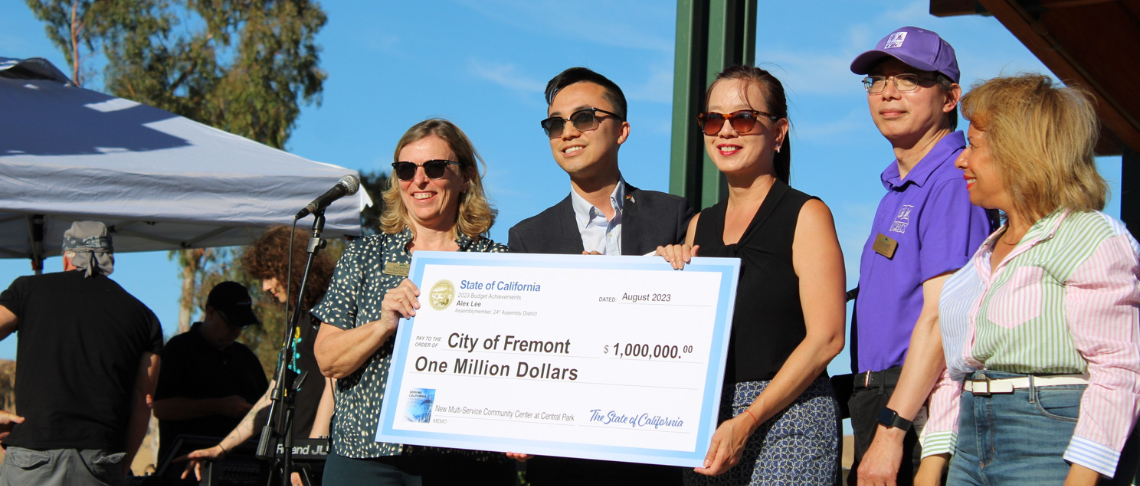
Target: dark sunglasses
x,y
584,120
434,169
742,121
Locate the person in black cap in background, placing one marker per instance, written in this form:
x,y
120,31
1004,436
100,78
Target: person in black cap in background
x,y
267,259
89,356
208,380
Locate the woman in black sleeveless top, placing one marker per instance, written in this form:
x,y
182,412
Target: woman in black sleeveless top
x,y
779,412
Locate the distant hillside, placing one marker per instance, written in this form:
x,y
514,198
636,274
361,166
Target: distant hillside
x,y
7,389
7,385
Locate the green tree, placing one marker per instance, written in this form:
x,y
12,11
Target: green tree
x,y
80,28
374,183
243,66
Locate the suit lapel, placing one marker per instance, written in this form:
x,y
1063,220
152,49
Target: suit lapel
x,y
630,223
570,239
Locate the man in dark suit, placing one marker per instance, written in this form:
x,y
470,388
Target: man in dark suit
x,y
602,215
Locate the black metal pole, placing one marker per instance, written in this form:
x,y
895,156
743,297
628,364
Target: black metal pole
x,y
284,395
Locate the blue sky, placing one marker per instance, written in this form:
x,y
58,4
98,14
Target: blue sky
x,y
483,64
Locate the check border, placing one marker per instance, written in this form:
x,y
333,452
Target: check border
x,y
729,268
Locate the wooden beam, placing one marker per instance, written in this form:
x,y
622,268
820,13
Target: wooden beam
x,y
953,8
1132,6
1108,144
1052,4
1036,38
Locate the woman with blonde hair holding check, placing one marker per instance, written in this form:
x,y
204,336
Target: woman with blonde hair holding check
x,y
1040,328
779,411
435,202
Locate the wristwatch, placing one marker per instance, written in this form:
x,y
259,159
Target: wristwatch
x,y
890,418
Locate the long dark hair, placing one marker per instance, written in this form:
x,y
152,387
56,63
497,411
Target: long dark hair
x,y
777,105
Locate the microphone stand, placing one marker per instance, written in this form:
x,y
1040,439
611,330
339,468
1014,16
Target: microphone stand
x,y
279,429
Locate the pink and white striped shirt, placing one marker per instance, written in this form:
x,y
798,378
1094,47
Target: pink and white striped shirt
x,y
1065,300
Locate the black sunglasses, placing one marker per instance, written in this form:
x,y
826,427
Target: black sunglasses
x,y
584,120
742,121
434,169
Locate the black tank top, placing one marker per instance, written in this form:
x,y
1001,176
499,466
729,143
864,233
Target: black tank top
x,y
768,320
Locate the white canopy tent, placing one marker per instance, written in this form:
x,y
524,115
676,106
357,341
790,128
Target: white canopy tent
x,y
158,180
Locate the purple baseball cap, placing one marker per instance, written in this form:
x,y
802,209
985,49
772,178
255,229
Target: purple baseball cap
x,y
918,48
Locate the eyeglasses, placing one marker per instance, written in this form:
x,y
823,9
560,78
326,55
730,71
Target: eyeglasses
x,y
742,121
434,169
584,120
903,82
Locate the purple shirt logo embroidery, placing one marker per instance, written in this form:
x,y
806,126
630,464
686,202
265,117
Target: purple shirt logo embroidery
x,y
902,220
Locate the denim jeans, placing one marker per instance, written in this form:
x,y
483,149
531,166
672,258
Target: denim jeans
x,y
1015,438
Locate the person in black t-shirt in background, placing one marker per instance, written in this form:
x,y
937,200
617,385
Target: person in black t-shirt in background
x,y
266,260
209,381
89,357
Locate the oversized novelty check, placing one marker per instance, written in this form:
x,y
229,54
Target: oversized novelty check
x,y
599,357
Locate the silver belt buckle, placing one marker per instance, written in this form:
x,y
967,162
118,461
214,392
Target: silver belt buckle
x,y
867,379
974,388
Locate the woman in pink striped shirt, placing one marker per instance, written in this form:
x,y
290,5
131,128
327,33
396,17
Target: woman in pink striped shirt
x,y
1040,329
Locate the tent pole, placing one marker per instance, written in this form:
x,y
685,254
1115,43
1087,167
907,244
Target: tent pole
x,y
36,237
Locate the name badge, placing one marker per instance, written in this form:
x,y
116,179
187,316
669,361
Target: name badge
x,y
397,269
885,245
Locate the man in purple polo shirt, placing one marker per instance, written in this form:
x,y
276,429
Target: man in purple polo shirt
x,y
925,228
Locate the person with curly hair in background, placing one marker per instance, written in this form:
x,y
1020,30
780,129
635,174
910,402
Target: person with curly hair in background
x,y
267,259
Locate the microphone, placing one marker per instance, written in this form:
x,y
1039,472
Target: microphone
x,y
347,186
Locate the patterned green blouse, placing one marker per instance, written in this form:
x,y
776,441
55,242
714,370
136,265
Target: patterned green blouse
x,y
353,299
